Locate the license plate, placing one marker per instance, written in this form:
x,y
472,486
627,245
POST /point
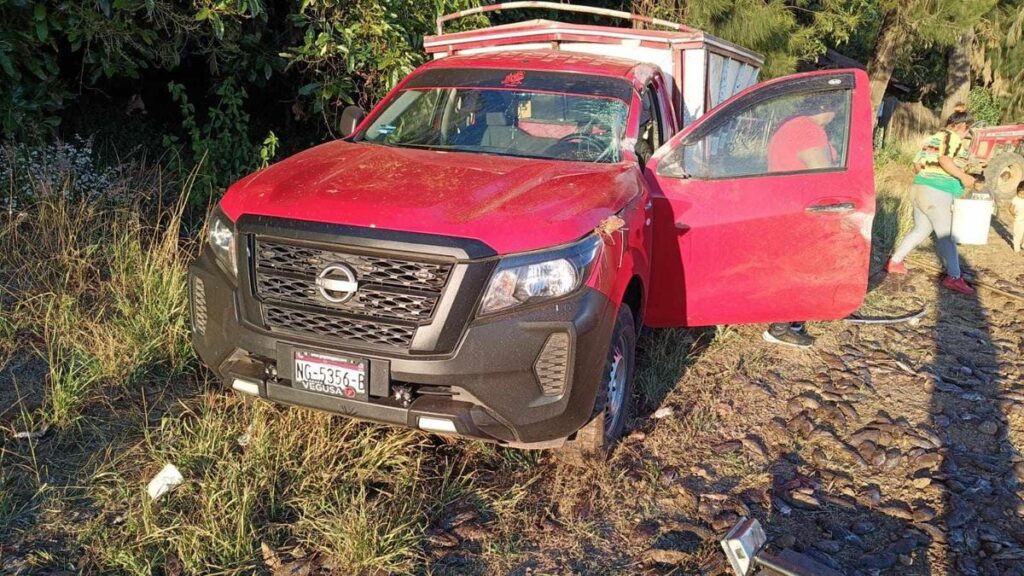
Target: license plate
x,y
331,375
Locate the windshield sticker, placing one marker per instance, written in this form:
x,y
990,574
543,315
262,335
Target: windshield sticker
x,y
514,79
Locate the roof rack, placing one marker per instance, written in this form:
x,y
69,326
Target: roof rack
x,y
560,8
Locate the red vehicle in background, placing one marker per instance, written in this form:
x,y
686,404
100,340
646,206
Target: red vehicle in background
x,y
478,255
997,152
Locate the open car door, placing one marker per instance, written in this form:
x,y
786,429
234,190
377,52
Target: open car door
x,y
763,207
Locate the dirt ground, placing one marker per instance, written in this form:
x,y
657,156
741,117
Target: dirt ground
x,y
888,449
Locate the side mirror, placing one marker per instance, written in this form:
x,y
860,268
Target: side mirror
x,y
351,116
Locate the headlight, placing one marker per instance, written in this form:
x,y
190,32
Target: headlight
x,y
221,235
530,278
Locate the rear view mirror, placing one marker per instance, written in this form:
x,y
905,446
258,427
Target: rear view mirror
x,y
351,116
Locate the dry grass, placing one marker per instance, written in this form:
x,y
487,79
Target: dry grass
x,y
104,314
101,296
354,495
92,304
893,172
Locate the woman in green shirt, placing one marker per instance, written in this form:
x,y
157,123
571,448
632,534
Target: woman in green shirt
x,y
939,181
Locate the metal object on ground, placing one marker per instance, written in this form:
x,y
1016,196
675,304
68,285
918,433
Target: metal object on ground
x,y
742,543
888,320
743,548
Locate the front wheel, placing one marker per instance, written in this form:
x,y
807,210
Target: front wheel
x,y
612,407
1004,174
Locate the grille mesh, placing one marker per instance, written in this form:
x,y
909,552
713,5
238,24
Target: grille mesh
x,y
369,269
335,327
395,295
552,364
199,306
369,300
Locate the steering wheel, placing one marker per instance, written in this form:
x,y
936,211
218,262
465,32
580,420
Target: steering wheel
x,y
580,146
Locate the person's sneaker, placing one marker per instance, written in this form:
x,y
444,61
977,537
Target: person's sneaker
x,y
894,267
957,285
789,338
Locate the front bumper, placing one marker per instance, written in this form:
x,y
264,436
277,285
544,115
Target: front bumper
x,y
488,386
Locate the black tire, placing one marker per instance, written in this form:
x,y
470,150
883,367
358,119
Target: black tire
x,y
1004,174
614,397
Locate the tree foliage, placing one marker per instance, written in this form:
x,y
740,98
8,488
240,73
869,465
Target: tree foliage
x,y
354,52
784,31
998,55
985,106
327,52
914,26
296,63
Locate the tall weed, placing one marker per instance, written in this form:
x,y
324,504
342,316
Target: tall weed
x,y
100,294
893,213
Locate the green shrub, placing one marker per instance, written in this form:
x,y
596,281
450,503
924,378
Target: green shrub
x,y
222,146
31,173
102,39
335,51
984,106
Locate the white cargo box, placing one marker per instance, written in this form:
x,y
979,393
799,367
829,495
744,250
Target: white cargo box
x,y
702,69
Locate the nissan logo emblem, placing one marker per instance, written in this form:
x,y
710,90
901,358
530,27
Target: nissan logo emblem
x,y
337,283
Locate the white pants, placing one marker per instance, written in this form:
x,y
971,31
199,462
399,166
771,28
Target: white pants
x,y
1018,234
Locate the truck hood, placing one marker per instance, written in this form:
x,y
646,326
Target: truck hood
x,y
511,204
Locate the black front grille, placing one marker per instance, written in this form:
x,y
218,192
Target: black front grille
x,y
282,257
395,295
340,328
369,300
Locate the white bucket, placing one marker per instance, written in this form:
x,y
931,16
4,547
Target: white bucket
x,y
971,220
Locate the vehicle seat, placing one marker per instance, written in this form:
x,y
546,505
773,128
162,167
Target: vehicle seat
x,y
548,118
498,133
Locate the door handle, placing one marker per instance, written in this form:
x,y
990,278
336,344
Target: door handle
x,y
837,207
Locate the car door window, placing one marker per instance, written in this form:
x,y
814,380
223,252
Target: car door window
x,y
411,119
650,134
729,214
786,134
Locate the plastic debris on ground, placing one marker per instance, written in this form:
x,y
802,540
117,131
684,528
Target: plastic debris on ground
x,y
166,480
662,413
33,434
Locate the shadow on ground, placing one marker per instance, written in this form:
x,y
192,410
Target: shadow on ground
x,y
980,471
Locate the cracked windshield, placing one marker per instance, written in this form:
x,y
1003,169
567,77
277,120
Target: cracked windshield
x,y
504,122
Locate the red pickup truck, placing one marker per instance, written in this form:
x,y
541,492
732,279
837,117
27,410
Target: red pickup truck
x,y
479,254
